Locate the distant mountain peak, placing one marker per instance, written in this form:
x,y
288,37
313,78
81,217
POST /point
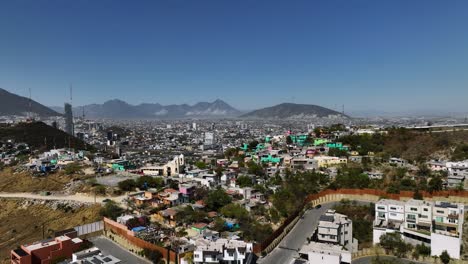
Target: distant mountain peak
x,y
294,111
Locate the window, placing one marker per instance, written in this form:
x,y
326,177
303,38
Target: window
x,y
412,226
381,215
425,209
381,208
393,208
439,219
453,221
414,209
440,212
411,216
231,254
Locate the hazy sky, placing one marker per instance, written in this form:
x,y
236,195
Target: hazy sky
x,y
386,55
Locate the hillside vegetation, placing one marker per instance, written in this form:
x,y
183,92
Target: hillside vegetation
x,y
411,145
39,135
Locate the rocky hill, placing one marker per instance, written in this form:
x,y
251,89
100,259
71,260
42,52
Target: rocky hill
x,y
39,135
294,111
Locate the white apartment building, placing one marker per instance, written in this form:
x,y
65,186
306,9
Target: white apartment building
x,y
337,229
221,251
438,224
304,163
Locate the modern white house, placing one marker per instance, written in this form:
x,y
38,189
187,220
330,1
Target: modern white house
x,y
337,229
221,251
436,224
389,216
315,252
333,241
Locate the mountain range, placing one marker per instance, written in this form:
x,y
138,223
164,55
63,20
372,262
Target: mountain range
x,y
12,104
293,111
118,109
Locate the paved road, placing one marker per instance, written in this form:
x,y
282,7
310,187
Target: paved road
x,y
287,248
109,247
74,197
368,260
113,180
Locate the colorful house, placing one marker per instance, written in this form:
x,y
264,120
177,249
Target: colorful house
x,y
270,159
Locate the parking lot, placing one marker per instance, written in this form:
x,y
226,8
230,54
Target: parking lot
x,y
109,247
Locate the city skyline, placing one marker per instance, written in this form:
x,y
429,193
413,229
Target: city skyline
x,y
391,57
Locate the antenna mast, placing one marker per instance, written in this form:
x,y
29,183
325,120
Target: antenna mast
x,y
30,110
71,94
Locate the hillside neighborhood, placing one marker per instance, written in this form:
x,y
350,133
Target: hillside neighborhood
x,y
230,192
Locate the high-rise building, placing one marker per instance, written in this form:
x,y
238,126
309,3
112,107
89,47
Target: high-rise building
x,y
209,138
69,127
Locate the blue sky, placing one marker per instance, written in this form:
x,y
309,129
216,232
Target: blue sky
x,y
366,54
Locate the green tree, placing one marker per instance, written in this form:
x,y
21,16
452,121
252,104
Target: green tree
x,y
189,215
244,181
253,144
231,152
235,211
274,215
72,168
153,255
335,152
391,241
127,185
435,184
151,182
423,170
445,257
111,210
216,199
201,165
218,224
423,250
254,168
